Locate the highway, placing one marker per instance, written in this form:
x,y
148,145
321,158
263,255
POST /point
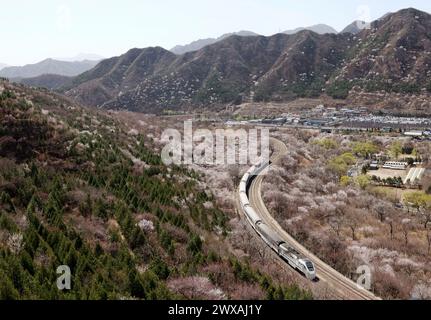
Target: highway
x,y
343,288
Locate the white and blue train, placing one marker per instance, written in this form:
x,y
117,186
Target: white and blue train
x,y
271,238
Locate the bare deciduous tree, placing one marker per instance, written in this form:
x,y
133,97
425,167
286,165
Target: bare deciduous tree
x,y
278,202
429,240
352,220
426,218
406,224
235,174
381,211
336,223
391,223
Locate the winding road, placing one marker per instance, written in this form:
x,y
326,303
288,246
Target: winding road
x,y
342,287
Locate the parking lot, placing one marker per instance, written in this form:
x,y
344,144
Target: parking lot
x,y
389,173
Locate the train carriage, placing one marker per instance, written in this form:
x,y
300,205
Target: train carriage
x,y
251,170
244,200
252,216
243,187
270,236
246,178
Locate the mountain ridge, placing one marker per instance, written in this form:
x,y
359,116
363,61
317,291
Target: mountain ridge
x,y
48,66
48,81
393,55
196,76
355,27
318,28
81,57
199,44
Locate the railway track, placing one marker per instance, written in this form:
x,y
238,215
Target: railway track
x,y
343,287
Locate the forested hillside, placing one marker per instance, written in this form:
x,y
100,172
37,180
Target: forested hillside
x,y
78,188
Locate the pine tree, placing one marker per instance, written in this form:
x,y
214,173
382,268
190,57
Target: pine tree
x,y
7,289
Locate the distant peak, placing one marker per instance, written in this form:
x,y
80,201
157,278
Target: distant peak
x,y
82,57
356,26
318,28
410,10
406,13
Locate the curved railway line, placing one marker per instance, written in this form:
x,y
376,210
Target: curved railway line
x,y
342,287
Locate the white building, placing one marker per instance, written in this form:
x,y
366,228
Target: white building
x,y
413,133
395,165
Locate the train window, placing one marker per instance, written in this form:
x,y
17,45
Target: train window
x,y
309,265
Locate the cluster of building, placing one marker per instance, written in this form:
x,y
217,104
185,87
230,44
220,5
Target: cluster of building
x,y
408,175
330,118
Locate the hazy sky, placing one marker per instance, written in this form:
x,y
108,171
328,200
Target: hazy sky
x,y
34,30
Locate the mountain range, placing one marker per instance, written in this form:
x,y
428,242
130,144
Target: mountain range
x,y
393,55
48,66
199,44
54,73
82,57
225,72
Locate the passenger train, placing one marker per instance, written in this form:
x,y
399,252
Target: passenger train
x,y
271,238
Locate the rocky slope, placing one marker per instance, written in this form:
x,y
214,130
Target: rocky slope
x,y
395,54
49,81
